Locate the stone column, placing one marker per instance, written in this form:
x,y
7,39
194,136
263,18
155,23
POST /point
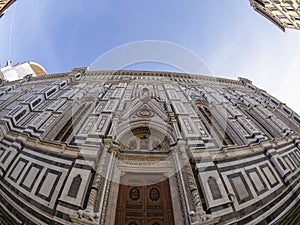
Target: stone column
x,y
190,190
97,181
106,188
95,211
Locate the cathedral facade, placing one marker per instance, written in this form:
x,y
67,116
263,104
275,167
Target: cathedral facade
x,y
138,147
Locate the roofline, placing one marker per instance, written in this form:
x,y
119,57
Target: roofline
x,y
261,12
2,11
36,64
259,8
167,74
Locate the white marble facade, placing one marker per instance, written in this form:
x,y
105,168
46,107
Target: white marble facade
x,y
230,150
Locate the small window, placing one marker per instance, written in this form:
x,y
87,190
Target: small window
x,y
50,92
214,188
77,76
296,17
20,115
75,186
274,102
63,84
289,8
264,95
35,103
260,2
287,111
273,9
297,120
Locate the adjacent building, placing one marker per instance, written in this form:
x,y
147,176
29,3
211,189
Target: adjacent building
x,y
283,13
19,71
142,147
4,4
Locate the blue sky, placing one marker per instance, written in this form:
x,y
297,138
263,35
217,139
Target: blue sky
x,y
228,36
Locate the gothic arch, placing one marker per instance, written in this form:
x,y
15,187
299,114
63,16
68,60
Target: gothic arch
x,y
145,135
213,125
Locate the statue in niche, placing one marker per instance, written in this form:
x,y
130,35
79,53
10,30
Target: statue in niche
x,y
133,145
145,94
156,144
144,144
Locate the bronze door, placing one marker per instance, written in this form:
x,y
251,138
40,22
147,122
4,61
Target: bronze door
x,y
146,203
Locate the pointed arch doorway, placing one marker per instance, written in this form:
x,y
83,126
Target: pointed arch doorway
x,y
144,199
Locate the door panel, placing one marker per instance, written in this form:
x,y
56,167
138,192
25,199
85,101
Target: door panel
x,y
144,201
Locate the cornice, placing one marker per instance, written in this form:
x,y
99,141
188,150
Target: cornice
x,y
164,74
231,152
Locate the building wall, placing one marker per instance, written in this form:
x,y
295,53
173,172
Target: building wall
x,y
229,149
284,14
4,4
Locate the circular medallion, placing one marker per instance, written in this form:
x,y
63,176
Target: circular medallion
x,y
154,194
134,194
145,113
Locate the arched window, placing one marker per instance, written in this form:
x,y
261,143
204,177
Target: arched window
x,y
214,188
67,129
281,164
75,186
212,123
